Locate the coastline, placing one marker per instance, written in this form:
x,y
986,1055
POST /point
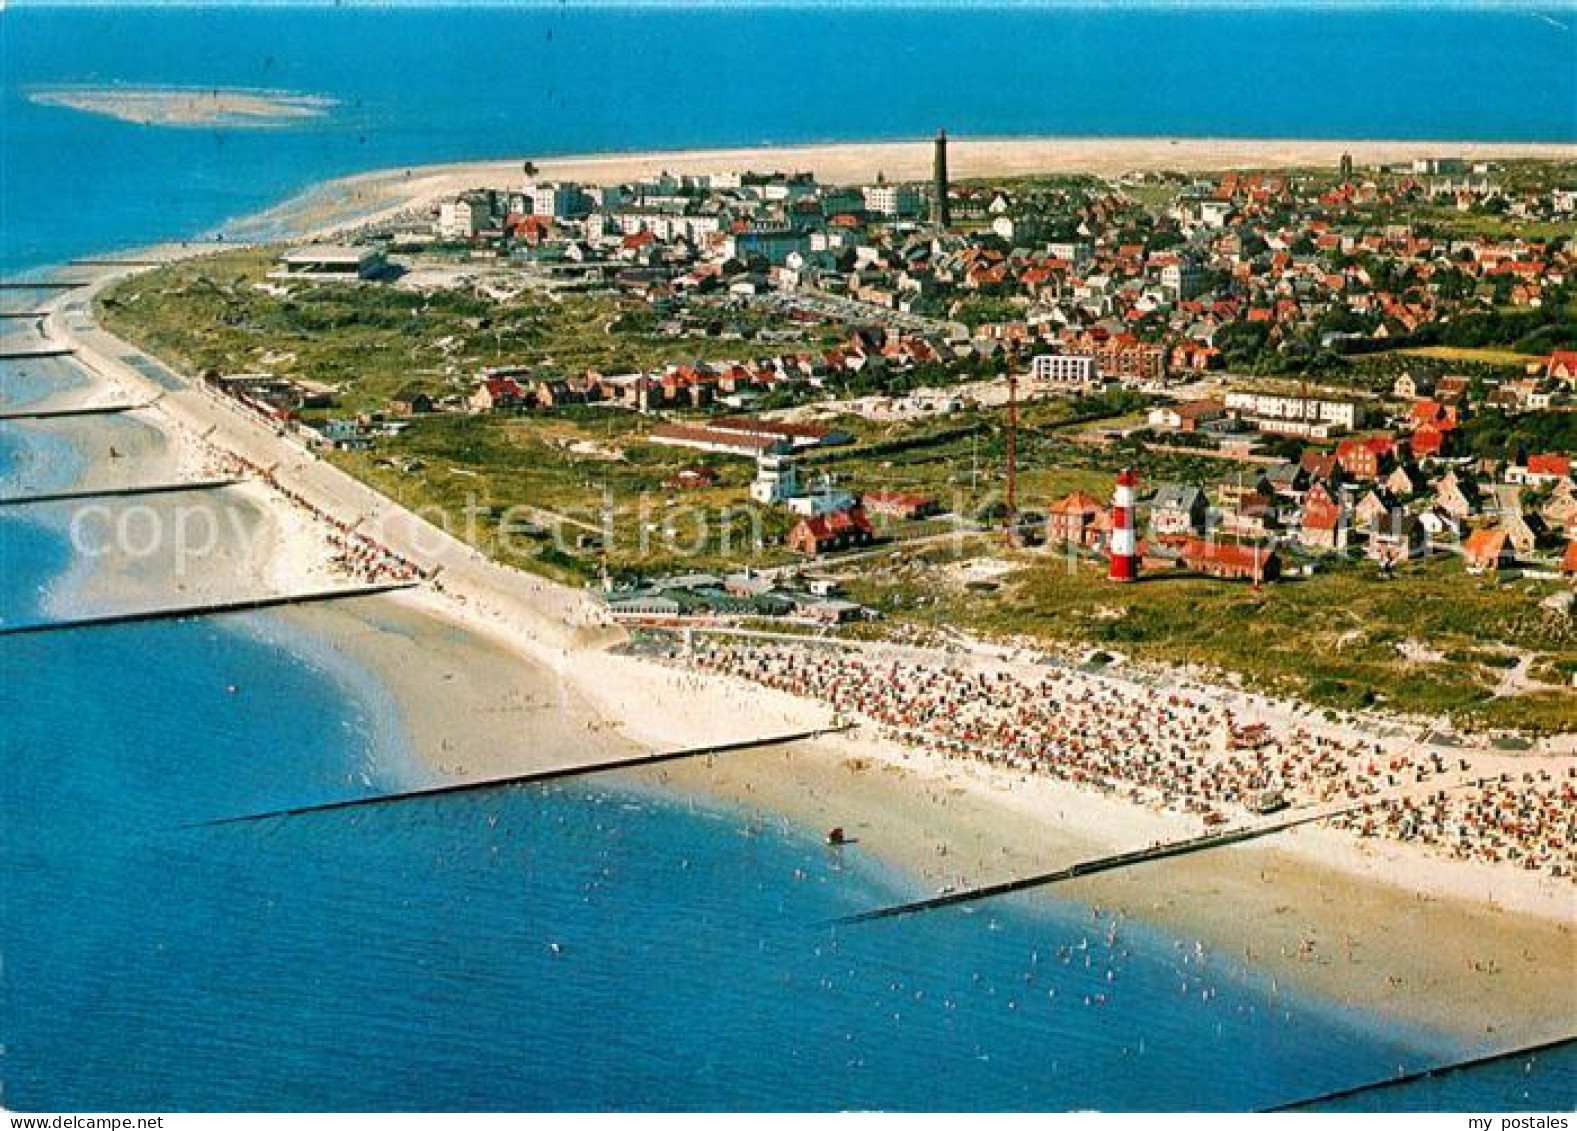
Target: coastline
x,y
336,206
507,652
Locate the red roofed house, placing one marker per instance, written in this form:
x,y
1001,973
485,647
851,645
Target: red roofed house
x,y
1563,366
1487,549
1076,519
1231,560
1546,468
1362,458
1569,562
1433,414
496,393
836,530
1427,441
638,241
1324,526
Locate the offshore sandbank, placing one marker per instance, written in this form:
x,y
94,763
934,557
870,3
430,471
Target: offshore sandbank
x,y
188,107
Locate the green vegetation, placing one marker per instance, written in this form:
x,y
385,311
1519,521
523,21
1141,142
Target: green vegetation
x,y
1331,639
522,477
973,312
1496,434
222,313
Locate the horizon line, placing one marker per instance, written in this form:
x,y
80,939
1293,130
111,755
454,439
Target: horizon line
x,y
1523,7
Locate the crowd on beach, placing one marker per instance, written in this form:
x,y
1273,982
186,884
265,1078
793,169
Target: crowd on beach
x,y
1172,749
356,554
1529,820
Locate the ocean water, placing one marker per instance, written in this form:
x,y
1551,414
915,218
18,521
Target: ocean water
x,y
575,947
422,86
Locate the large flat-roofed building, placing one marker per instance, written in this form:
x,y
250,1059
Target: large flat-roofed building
x,y
718,441
332,261
893,200
1063,369
557,200
1295,415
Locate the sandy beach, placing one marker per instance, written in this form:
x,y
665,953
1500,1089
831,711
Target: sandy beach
x,y
1480,954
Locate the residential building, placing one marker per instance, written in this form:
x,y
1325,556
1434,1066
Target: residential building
x,y
1323,525
462,218
1077,520
1457,495
822,534
1364,459
1487,550
900,504
1189,417
1178,508
1397,538
1275,412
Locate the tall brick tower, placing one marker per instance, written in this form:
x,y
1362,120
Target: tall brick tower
x,y
941,215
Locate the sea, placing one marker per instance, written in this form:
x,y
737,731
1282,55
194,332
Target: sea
x,y
594,947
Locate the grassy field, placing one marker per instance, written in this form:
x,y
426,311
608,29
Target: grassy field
x,y
1485,355
371,342
1331,639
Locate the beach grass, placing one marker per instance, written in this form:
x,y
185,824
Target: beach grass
x,y
223,313
1484,355
1342,638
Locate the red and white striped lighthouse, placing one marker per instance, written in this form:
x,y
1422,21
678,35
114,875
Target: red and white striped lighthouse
x,y
1123,546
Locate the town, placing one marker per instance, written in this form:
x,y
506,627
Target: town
x,y
752,397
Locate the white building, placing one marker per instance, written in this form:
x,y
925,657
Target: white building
x,y
1064,370
557,200
775,482
666,226
892,200
331,262
826,501
1294,415
1438,166
462,218
1215,213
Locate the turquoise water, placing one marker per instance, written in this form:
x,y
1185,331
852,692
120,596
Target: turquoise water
x,y
575,948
